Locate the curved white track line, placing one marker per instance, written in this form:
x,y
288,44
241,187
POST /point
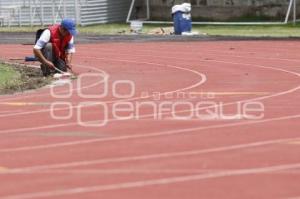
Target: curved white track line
x,y
225,104
176,58
82,66
236,47
137,171
150,156
224,54
155,182
145,135
118,171
82,142
170,180
201,75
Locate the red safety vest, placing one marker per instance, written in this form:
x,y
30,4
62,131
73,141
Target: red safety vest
x,y
59,44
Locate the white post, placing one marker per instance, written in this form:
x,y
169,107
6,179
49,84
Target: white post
x,y
130,11
19,16
59,7
64,7
288,11
77,12
148,9
30,10
42,13
295,12
53,12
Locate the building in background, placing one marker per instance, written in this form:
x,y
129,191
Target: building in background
x,y
225,10
44,12
88,12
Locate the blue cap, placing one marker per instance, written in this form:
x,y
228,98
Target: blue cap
x,y
70,25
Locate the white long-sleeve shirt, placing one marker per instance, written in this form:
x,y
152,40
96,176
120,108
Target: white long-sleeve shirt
x,y
45,38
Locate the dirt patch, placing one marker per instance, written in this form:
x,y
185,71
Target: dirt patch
x,y
27,78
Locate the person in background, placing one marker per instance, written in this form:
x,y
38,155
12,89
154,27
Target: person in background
x,y
54,47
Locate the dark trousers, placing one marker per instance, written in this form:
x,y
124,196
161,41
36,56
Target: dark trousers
x,y
58,63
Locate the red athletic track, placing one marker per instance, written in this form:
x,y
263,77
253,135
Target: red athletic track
x,y
148,158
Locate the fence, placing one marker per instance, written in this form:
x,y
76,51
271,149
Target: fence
x,y
45,12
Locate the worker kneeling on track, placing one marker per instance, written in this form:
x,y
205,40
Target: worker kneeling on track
x,y
54,47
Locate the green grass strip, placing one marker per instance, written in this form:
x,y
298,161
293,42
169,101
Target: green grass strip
x,y
8,77
287,30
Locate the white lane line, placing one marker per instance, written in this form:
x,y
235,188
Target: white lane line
x,y
186,49
161,57
225,104
66,144
168,57
157,64
152,156
113,171
133,171
201,76
224,54
140,136
154,182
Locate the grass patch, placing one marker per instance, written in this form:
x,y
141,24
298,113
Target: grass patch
x,y
287,30
17,79
253,31
20,29
8,77
105,29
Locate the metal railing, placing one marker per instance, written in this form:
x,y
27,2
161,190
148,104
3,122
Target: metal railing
x,y
45,12
39,12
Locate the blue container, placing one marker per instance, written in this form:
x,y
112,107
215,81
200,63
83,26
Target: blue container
x,y
182,22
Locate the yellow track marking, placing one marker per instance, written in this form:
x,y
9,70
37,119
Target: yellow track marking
x,y
229,93
191,93
294,142
25,104
3,169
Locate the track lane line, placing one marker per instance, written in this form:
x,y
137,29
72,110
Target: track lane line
x,y
152,156
147,135
154,182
